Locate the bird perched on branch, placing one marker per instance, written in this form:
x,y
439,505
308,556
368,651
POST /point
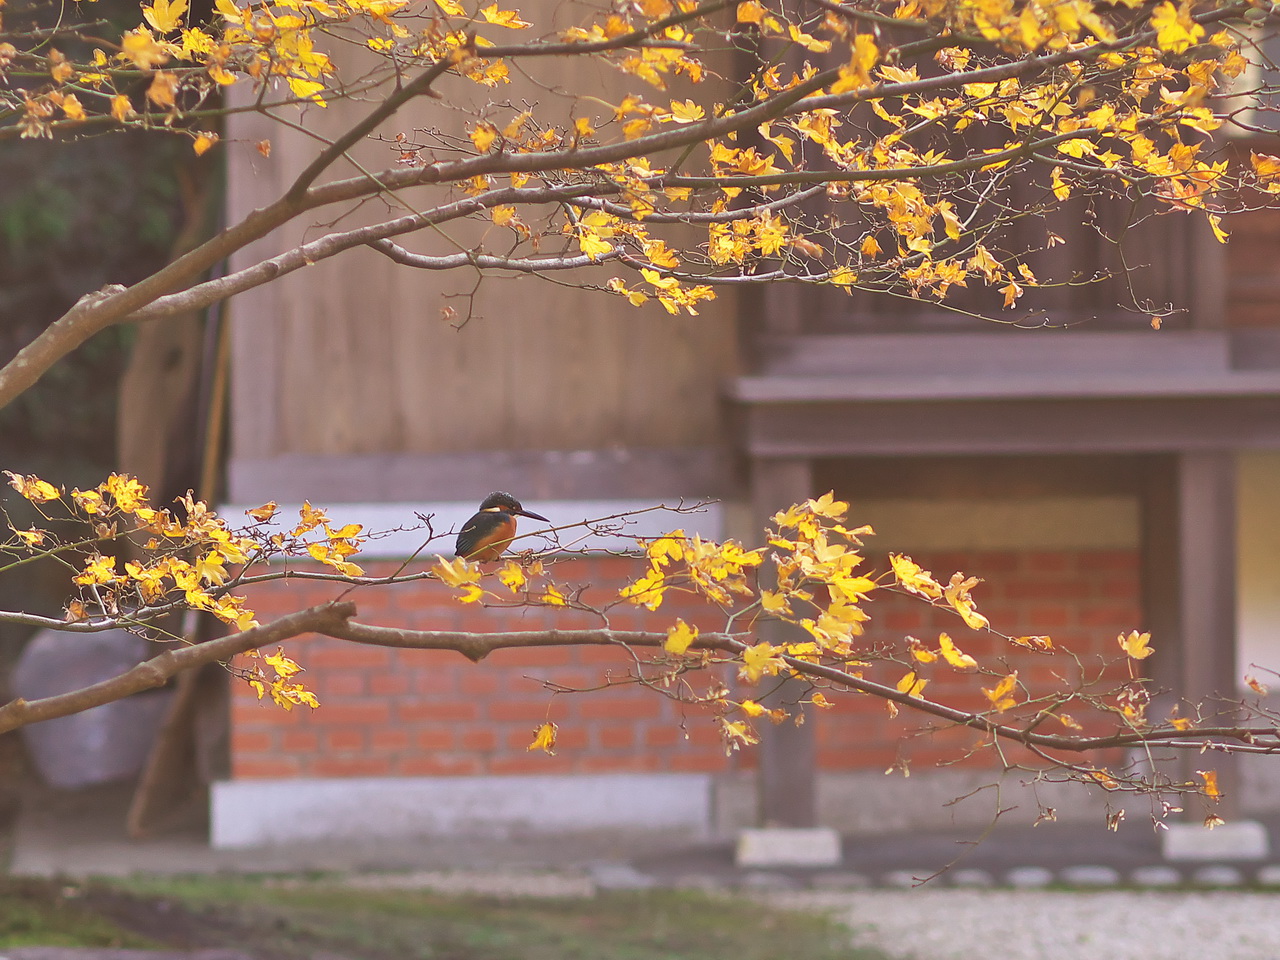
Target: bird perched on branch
x,y
486,535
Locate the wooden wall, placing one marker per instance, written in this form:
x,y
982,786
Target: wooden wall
x,y
352,355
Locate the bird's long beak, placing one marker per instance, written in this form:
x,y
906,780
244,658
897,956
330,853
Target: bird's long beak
x,y
534,516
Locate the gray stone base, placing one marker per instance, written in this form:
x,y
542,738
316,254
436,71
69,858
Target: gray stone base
x,y
788,847
1238,840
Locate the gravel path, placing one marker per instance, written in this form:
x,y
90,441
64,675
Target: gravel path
x,y
1044,925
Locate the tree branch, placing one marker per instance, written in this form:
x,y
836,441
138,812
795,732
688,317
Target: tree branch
x,y
156,672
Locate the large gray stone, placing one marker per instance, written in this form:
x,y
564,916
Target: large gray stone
x,y
788,847
1239,840
100,745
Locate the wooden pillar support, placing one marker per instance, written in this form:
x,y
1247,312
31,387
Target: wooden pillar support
x,y
787,778
1206,504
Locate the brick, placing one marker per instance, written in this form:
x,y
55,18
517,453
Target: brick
x,y
248,741
1047,562
299,741
523,710
362,766
347,656
436,738
348,683
530,763
390,739
345,739
433,766
437,710
1063,589
479,738
608,705
244,768
388,684
337,713
616,736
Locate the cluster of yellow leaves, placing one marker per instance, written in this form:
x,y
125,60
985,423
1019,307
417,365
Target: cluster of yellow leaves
x,y
467,576
181,559
713,570
334,547
284,689
956,593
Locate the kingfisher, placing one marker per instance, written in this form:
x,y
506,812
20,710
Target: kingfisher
x,y
486,535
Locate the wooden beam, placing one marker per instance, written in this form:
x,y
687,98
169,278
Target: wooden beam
x,y
877,428
625,473
787,780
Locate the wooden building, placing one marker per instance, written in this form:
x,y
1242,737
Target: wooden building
x,y
1102,476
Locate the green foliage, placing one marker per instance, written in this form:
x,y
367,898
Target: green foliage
x,y
37,913
415,925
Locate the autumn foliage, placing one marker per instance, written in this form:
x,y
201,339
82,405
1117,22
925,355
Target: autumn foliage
x,y
863,145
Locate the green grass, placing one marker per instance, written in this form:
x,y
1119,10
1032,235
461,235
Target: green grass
x,y
296,922
43,914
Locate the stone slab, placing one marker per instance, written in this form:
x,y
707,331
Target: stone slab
x,y
788,847
1239,840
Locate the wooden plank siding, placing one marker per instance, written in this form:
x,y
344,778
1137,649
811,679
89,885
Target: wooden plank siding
x,y
352,356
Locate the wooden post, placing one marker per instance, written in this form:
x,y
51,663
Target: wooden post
x,y
1206,504
787,779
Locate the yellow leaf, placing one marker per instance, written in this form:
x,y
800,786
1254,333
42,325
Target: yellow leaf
x,y
163,90
461,573
1067,721
828,506
483,135
1061,189
911,576
1254,684
773,601
957,594
32,537
553,597
807,41
818,700
760,661
1175,30
686,112
736,734
545,739
33,488
752,709
999,694
1103,777
504,18
165,16
953,656
592,244
451,8
679,637
121,107
750,12
203,142
1040,644
1210,778
1136,645
72,109
265,512
1215,223
920,653
503,215
912,684
512,576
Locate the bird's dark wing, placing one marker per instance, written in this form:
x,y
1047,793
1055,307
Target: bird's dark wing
x,y
482,530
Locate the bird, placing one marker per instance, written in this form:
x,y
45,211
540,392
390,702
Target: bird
x,y
487,534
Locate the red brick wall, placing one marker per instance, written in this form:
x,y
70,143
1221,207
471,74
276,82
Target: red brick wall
x,y
416,712
1081,599
413,713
